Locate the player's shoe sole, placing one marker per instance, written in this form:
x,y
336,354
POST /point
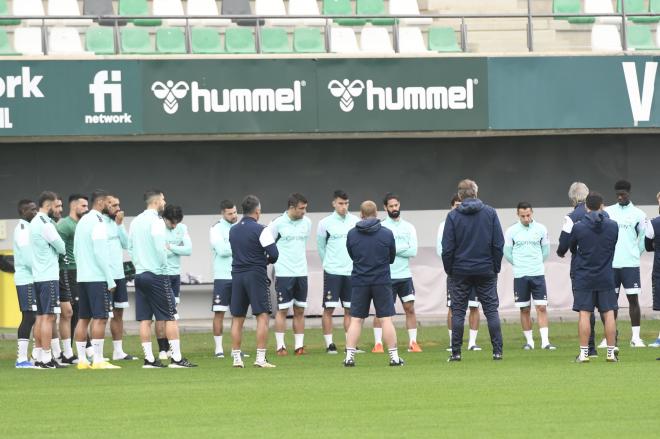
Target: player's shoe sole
x,y
264,365
550,347
220,355
24,365
582,360
183,363
473,348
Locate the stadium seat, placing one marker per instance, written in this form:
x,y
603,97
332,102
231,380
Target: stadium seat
x,y
375,40
27,41
570,7
28,8
654,6
66,7
136,41
138,8
64,41
171,40
639,37
411,40
5,45
240,40
100,40
205,7
605,38
343,40
342,7
408,7
169,7
637,7
273,7
101,7
4,11
443,39
306,7
374,7
239,7
274,40
308,40
601,7
205,41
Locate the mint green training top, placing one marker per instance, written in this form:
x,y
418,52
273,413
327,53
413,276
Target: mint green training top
x,y
146,243
22,254
291,239
221,249
331,243
46,247
526,248
91,248
180,245
630,245
118,243
405,238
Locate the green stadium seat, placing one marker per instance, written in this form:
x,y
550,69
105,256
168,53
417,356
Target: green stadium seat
x,y
100,40
205,41
138,7
654,6
637,7
4,10
171,40
374,7
639,37
5,45
443,39
570,7
342,7
274,40
136,41
240,40
308,40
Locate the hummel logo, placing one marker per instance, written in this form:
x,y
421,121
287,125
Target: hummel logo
x,y
170,92
346,91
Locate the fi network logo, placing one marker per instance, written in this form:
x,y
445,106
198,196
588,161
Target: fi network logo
x,y
107,84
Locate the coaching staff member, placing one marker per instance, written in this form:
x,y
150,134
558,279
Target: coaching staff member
x,y
472,250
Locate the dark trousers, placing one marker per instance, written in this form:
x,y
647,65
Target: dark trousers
x,y
486,289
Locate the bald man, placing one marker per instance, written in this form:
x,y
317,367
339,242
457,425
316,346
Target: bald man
x,y
372,249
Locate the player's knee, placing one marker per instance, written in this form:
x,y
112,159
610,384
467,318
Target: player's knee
x,y
409,308
298,312
525,310
541,308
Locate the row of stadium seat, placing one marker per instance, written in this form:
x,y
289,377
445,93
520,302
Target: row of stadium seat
x,y
607,38
237,40
606,7
229,7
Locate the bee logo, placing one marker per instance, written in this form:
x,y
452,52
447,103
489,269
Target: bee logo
x,y
170,92
346,91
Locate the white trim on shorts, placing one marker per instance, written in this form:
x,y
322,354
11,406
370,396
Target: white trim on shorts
x,y
299,304
540,302
121,305
523,304
346,304
408,298
177,300
285,305
332,304
631,291
220,308
473,304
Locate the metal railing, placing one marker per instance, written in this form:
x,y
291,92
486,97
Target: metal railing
x,y
118,21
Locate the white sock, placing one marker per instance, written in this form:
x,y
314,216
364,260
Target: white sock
x,y
148,353
328,339
473,337
378,335
117,348
261,355
299,340
236,354
635,332
80,348
529,338
55,347
22,350
175,348
279,340
584,352
46,356
66,348
658,334
545,340
97,344
412,335
350,353
610,351
449,330
218,343
394,354
36,353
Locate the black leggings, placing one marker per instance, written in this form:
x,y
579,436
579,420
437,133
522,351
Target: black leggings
x,y
27,322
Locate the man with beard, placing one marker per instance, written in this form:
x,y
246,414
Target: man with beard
x,y
91,249
69,294
46,248
405,237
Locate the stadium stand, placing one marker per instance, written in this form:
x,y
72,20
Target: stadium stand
x,y
375,40
605,38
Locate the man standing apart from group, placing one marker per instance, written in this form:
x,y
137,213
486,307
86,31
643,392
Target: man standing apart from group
x,y
629,247
472,246
653,245
291,232
594,239
526,247
337,265
405,237
372,249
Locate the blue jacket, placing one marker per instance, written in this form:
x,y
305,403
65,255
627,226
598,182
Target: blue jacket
x,y
565,236
593,240
372,249
252,246
652,242
472,242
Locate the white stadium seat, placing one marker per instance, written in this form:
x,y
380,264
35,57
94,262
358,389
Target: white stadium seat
x,y
27,8
66,7
273,7
169,7
601,7
342,40
205,7
375,40
306,7
411,40
605,38
408,7
27,40
64,41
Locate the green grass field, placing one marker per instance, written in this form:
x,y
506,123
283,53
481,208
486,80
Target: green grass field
x,y
529,394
